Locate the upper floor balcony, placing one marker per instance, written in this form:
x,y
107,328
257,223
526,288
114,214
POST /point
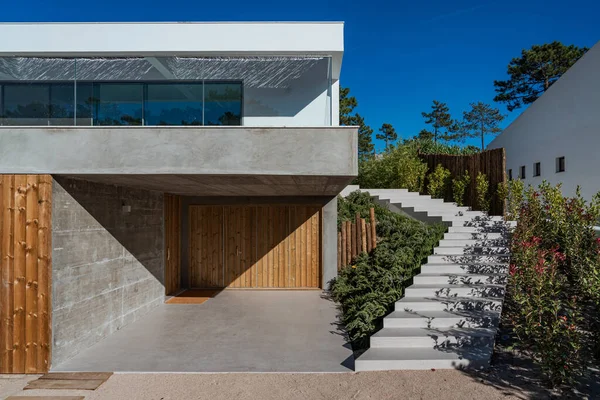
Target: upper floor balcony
x,y
179,101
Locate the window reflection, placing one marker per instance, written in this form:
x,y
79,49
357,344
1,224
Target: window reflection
x,y
223,104
173,104
104,103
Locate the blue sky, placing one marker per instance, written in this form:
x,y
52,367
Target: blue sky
x,y
399,55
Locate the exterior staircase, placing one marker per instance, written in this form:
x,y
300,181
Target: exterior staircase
x,y
449,316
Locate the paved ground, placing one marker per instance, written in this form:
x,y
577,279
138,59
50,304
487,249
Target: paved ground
x,y
237,331
430,385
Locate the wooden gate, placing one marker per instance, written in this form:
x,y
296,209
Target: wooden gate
x,y
25,254
271,246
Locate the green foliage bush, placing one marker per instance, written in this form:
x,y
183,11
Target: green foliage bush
x,y
438,183
428,146
367,290
482,187
399,167
553,292
459,188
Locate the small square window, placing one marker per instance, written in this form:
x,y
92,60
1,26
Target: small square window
x,y
510,174
537,169
560,164
522,172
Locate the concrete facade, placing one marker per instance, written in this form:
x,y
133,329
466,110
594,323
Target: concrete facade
x,y
108,266
319,151
563,122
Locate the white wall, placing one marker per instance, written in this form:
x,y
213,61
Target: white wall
x,y
565,121
306,102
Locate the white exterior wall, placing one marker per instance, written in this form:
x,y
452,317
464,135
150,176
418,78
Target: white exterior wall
x,y
564,122
310,101
307,102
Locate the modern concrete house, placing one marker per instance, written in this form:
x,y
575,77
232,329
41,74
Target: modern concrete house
x,y
142,159
556,138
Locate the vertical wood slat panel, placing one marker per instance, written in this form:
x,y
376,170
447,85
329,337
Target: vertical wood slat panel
x,y
25,273
19,273
31,274
7,305
44,336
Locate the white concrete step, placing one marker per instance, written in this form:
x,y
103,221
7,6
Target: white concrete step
x,y
473,243
456,228
433,303
459,290
468,259
469,268
432,337
445,209
473,236
475,251
459,279
441,319
421,358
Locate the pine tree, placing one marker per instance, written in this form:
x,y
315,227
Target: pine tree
x,y
388,135
481,121
444,127
365,133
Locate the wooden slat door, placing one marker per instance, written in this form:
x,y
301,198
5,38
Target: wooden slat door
x,y
266,246
240,247
206,247
25,273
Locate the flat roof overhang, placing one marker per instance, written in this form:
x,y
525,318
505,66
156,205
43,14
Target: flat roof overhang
x,y
184,39
199,161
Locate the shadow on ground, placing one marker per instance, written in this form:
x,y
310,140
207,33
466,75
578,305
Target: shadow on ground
x,y
516,375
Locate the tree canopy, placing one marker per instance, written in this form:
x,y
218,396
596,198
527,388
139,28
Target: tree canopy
x,y
444,127
534,72
349,118
388,135
480,121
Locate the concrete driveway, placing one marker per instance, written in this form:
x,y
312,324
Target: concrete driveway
x,y
236,331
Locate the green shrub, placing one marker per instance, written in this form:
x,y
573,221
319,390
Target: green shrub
x,y
553,292
428,146
459,188
367,290
482,187
398,167
438,182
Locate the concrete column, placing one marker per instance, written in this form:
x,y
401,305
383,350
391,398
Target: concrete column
x,y
329,244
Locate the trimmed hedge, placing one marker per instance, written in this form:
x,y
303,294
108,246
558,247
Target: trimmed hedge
x,y
367,290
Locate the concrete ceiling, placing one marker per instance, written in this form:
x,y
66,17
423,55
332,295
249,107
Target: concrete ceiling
x,y
227,185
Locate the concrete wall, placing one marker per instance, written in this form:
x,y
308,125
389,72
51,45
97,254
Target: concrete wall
x,y
321,151
329,226
108,266
564,122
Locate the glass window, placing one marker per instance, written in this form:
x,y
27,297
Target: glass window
x,y
86,103
560,164
173,104
62,96
25,104
222,104
118,104
537,169
510,174
522,173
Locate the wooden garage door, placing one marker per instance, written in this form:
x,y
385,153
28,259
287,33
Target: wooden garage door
x,y
268,246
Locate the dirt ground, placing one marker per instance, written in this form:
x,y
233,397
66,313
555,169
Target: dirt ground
x,y
430,385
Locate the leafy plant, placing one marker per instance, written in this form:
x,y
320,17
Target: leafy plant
x,y
553,292
367,290
482,188
459,188
398,167
438,182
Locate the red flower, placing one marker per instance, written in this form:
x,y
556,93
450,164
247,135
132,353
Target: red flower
x,y
512,269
